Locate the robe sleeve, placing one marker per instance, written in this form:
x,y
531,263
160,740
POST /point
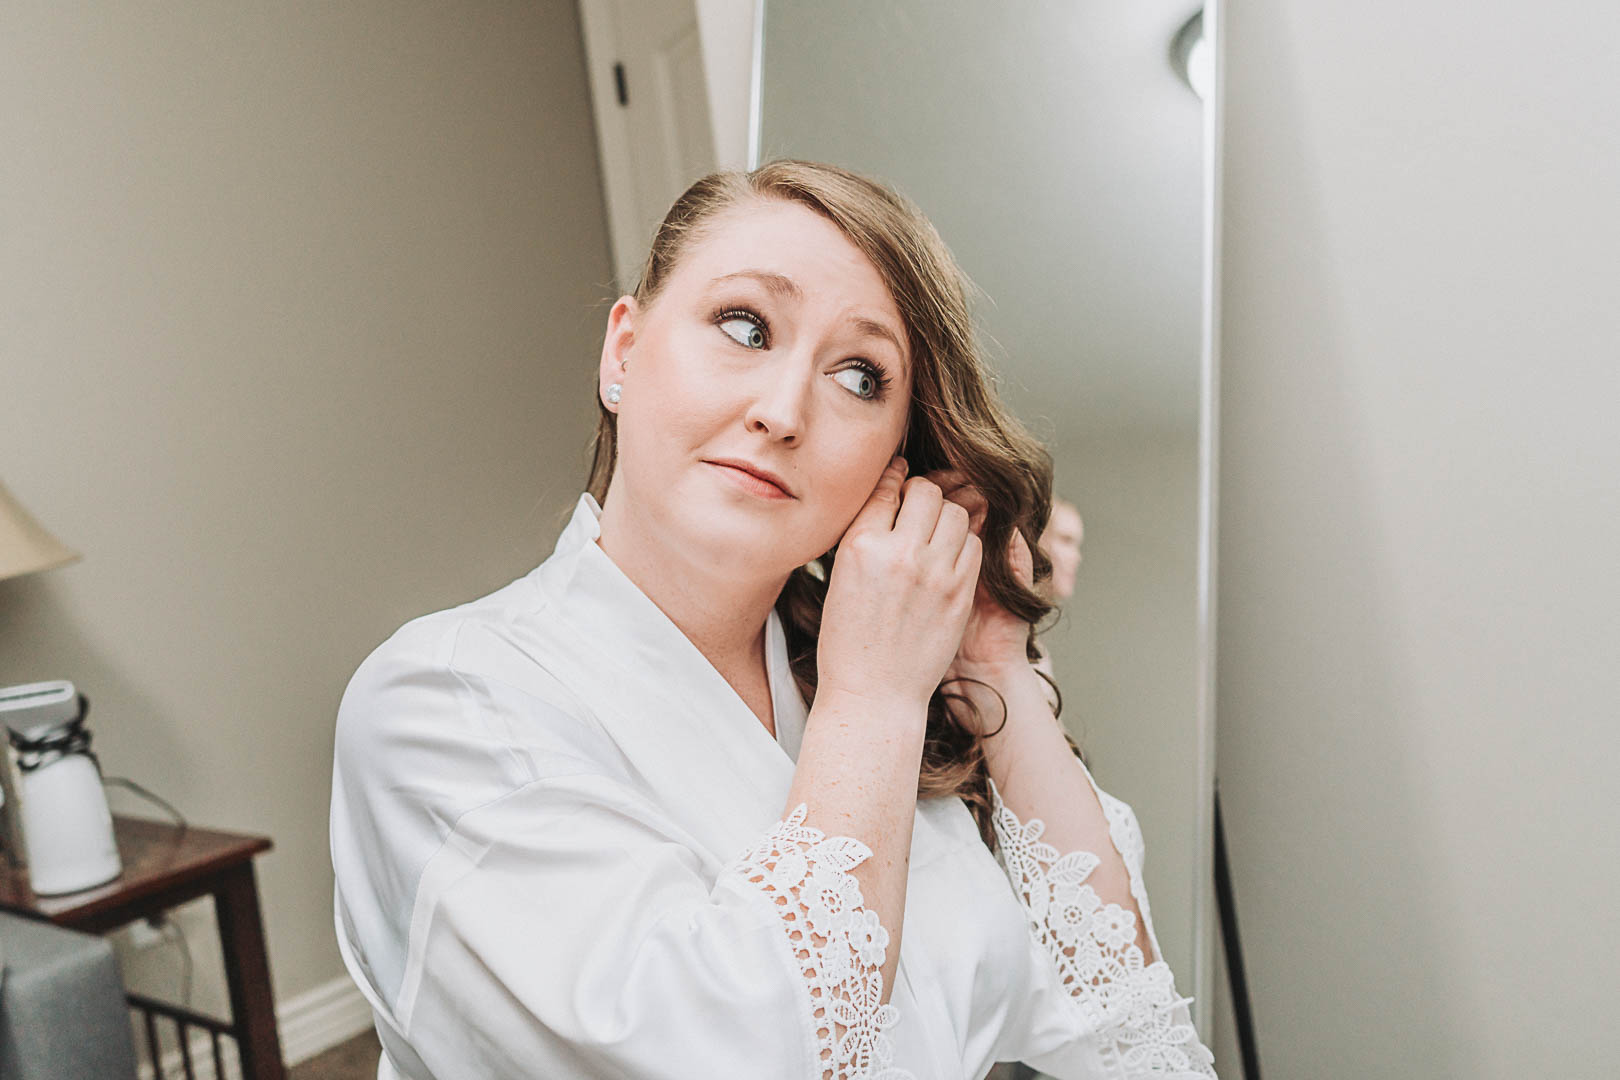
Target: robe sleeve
x,y
1128,1013
552,921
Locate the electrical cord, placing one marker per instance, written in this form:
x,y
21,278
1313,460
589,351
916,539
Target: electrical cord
x,y
163,924
125,782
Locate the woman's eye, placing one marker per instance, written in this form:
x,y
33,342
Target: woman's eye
x,y
862,382
744,331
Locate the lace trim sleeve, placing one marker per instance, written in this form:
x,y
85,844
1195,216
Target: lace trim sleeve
x,y
1144,1026
838,945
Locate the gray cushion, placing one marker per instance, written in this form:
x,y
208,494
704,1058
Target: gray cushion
x,y
62,1010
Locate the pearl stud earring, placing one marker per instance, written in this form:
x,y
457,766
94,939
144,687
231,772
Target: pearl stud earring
x,y
613,393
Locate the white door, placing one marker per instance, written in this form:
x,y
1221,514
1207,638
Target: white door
x,y
651,103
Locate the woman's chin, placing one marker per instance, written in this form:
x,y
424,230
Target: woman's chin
x,y
743,544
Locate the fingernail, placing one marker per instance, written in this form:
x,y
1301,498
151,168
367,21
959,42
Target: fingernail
x,y
898,462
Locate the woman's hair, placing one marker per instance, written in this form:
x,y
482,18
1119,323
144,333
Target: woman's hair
x,y
956,422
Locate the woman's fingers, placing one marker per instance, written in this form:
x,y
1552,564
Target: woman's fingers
x,y
901,591
951,529
977,506
956,488
884,502
920,500
969,559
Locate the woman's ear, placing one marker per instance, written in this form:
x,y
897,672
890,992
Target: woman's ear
x,y
616,346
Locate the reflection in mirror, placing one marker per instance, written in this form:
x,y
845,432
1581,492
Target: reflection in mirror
x,y
1058,148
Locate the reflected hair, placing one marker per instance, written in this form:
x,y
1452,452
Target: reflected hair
x,y
956,421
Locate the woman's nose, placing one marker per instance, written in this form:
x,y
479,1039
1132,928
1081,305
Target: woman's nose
x,y
780,405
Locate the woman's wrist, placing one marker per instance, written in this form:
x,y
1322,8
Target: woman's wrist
x,y
1013,689
1006,673
900,709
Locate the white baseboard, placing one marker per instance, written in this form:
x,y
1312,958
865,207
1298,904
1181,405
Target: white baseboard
x,y
320,1019
310,1023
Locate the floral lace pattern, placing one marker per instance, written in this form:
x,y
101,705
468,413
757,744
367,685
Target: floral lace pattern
x,y
1144,1026
838,945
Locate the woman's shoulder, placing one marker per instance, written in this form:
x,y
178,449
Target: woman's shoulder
x,y
474,676
501,635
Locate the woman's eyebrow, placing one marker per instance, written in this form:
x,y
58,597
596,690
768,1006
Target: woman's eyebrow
x,y
776,284
784,286
873,328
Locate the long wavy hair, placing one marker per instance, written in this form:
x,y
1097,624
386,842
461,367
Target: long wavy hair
x,y
956,422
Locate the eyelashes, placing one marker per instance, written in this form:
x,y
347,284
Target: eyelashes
x,y
761,334
759,337
880,378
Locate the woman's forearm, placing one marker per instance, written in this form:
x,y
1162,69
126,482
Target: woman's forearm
x,y
857,776
1038,776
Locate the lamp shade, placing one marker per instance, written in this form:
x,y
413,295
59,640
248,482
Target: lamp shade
x,y
25,546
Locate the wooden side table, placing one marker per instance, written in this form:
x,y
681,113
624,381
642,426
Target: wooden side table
x,y
166,866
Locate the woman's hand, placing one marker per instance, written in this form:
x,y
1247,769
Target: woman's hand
x,y
994,640
900,593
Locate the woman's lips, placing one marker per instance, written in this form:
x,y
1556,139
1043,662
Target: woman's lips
x,y
750,483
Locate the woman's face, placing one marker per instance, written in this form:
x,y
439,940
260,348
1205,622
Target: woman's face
x,y
1061,542
776,345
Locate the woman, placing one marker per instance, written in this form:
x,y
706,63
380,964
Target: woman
x,y
587,826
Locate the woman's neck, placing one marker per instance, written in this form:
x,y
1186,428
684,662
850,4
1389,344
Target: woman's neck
x,y
719,609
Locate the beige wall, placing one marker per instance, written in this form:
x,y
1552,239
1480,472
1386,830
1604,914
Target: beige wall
x,y
300,325
1419,618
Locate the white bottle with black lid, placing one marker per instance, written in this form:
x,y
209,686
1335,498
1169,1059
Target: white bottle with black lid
x,y
67,826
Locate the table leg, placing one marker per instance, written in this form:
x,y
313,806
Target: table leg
x,y
247,973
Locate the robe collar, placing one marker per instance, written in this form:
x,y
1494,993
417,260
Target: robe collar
x,y
706,757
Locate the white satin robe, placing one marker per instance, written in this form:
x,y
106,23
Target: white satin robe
x,y
559,852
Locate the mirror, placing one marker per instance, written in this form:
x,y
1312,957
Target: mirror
x,y
1060,151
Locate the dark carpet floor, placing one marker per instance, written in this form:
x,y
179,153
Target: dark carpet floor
x,y
353,1060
